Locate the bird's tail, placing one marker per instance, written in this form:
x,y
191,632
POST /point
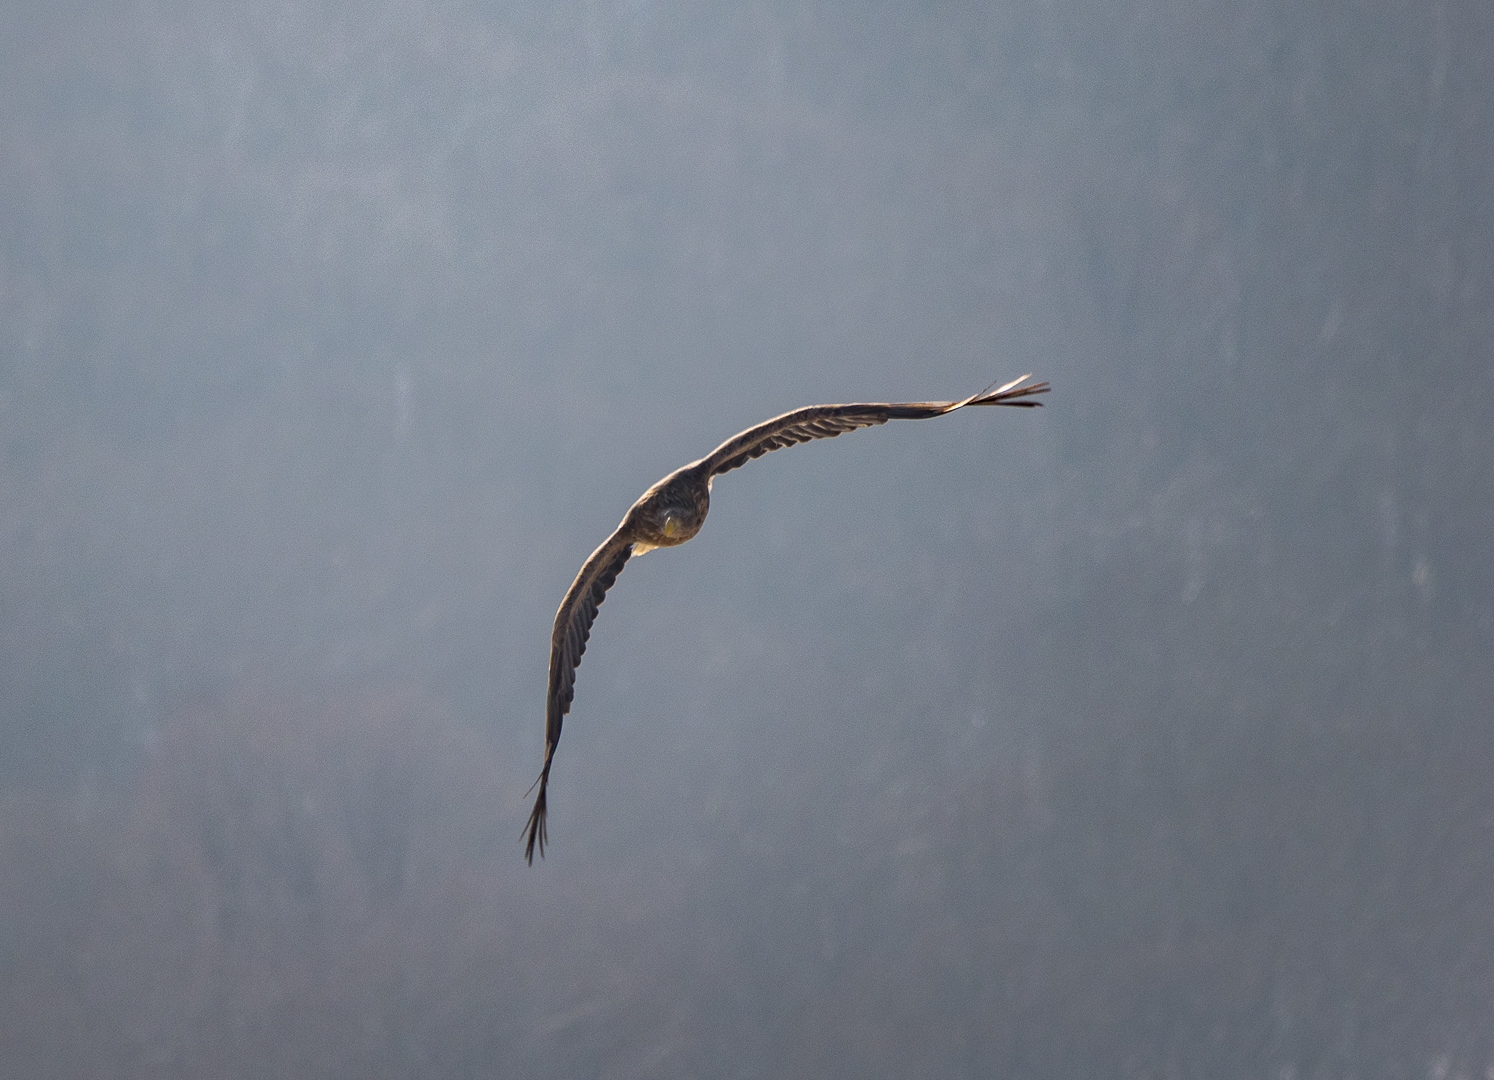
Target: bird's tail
x,y
535,831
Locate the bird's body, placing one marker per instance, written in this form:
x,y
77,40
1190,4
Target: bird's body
x,y
670,512
674,509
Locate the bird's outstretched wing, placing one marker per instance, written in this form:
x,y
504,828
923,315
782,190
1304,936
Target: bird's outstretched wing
x,y
828,421
567,642
579,608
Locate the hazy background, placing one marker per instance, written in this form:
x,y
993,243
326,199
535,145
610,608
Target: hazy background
x,y
1150,734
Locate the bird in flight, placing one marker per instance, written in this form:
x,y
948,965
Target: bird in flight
x,y
674,509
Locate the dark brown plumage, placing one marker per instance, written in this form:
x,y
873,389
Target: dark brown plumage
x,y
674,509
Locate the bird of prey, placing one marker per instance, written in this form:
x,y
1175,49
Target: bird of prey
x,y
673,510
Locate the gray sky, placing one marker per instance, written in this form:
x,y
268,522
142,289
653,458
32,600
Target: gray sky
x,y
1145,734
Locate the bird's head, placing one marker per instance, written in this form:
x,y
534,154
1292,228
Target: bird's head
x,y
674,523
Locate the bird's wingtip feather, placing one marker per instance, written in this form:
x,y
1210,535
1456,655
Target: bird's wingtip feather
x,y
535,832
1013,393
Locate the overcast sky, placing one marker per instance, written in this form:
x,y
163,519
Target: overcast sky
x,y
1145,734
